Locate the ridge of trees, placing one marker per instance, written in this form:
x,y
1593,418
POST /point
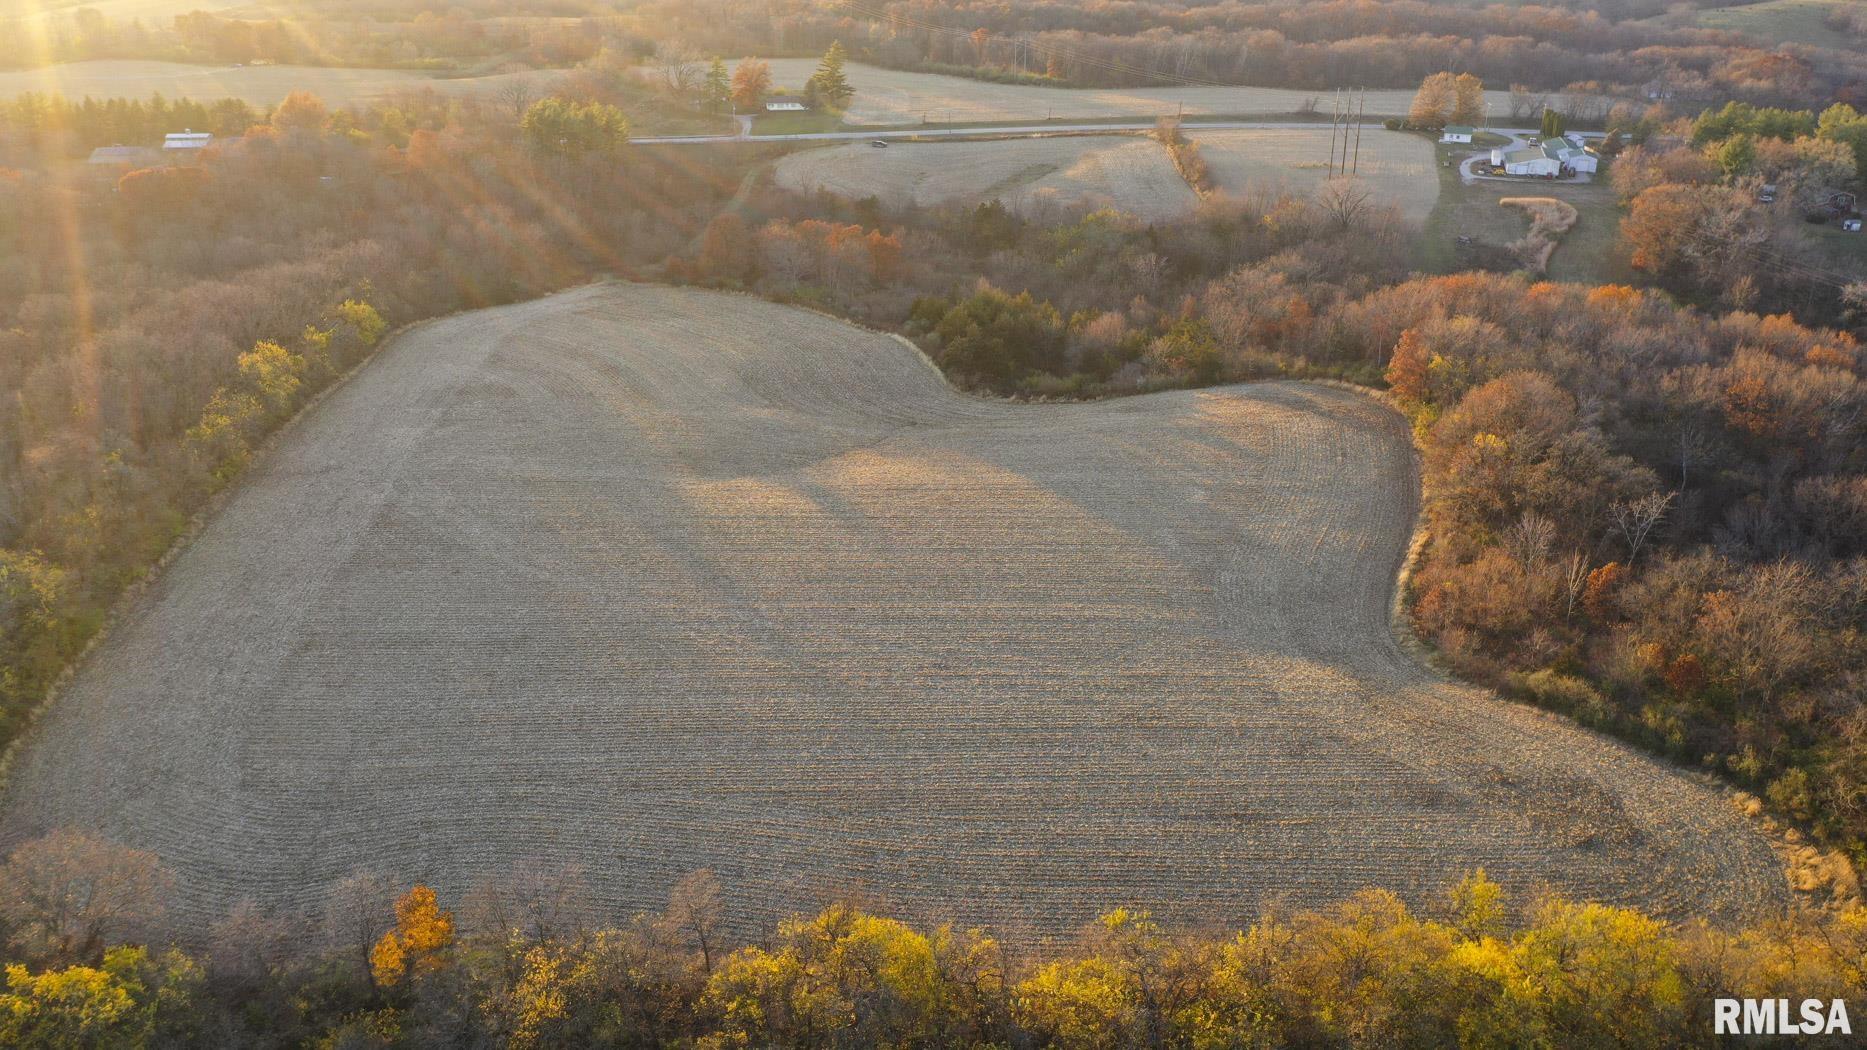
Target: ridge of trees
x,y
530,960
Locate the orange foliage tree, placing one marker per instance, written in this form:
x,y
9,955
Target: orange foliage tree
x,y
424,931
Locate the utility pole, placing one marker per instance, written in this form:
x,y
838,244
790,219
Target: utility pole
x,y
1335,107
1360,119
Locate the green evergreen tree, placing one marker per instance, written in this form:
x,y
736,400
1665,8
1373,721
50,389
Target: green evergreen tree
x,y
718,90
828,86
1552,123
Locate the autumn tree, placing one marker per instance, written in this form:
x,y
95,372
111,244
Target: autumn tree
x,y
1468,106
1434,102
423,934
751,83
301,111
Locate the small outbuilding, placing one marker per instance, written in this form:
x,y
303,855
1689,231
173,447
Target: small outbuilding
x,y
1457,133
786,104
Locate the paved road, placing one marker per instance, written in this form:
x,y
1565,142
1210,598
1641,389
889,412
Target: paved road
x,y
1023,131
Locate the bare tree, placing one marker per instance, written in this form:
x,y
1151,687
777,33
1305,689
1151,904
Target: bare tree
x,y
516,92
1635,520
358,910
1574,583
537,902
243,946
694,913
681,67
67,896
1530,538
1693,444
1150,272
1343,201
1525,103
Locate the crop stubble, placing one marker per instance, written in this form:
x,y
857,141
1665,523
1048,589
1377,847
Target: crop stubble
x,y
893,96
647,579
1129,173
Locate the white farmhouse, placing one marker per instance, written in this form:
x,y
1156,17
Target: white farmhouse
x,y
184,145
1457,133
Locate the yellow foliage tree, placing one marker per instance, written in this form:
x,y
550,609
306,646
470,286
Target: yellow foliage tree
x,y
423,933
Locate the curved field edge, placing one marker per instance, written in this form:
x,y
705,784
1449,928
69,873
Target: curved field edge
x,y
1332,697
128,598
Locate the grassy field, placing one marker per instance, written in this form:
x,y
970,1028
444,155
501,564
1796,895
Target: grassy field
x,y
1128,172
259,85
1396,167
1586,253
646,579
1833,249
1774,21
886,96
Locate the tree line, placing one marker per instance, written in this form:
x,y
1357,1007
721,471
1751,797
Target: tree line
x,y
1579,48
530,960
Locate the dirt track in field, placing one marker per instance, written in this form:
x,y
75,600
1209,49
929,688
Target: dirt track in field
x,y
1129,173
648,579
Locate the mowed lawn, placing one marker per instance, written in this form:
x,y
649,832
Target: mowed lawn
x,y
1396,168
1586,253
258,85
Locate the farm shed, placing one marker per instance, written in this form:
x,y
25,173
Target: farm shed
x,y
123,156
1457,133
1573,152
1531,161
786,104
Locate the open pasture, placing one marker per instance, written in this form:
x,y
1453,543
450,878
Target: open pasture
x,y
644,580
1395,167
1129,173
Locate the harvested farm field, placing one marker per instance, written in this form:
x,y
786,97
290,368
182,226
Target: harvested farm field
x,y
892,96
256,85
645,579
1395,167
1129,173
